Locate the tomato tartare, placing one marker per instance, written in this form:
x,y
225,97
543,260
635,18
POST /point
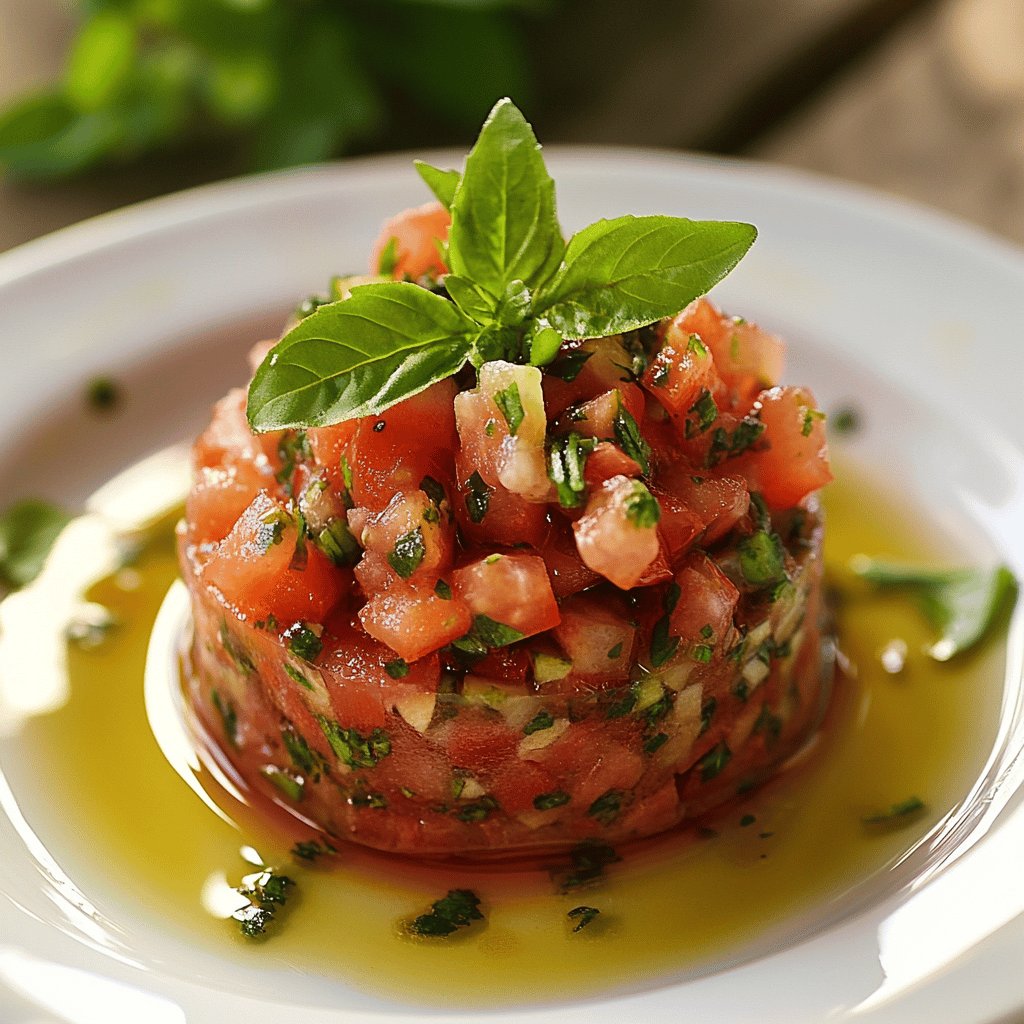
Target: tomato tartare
x,y
525,607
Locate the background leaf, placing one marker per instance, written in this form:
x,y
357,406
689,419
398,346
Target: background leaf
x,y
504,226
357,357
624,273
27,532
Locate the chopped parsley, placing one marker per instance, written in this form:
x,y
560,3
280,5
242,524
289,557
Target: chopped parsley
x,y
397,669
704,411
433,490
567,365
511,406
102,394
293,673
290,786
336,541
352,747
712,763
663,644
810,417
540,721
549,801
267,893
478,499
443,590
303,641
631,441
607,806
582,916
642,508
299,751
566,462
408,553
587,862
615,652
477,810
655,742
486,634
228,716
311,850
898,814
459,909
725,445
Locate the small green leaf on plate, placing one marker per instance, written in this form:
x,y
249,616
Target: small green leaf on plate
x,y
28,530
962,604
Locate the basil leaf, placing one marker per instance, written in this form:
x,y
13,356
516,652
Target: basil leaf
x,y
475,302
442,183
963,604
358,357
27,532
545,343
623,274
504,226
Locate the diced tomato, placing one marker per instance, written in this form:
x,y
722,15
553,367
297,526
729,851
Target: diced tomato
x,y
715,503
418,234
406,443
330,444
518,784
490,514
608,460
229,440
480,745
707,602
682,377
566,569
502,428
512,589
414,622
612,538
597,638
597,417
747,359
601,364
509,664
792,461
256,569
410,539
217,499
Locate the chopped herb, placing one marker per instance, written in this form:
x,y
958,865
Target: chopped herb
x,y
486,634
292,449
303,642
267,892
478,810
346,472
706,412
702,653
672,594
631,441
615,652
653,743
587,862
707,712
663,644
706,631
662,371
810,416
712,763
336,541
478,498
964,605
28,530
768,724
582,916
726,446
408,553
228,716
762,559
102,394
642,508
607,806
540,721
375,800
657,710
845,420
566,461
696,345
352,747
898,814
511,406
311,850
567,365
443,590
293,673
740,689
433,490
388,259
299,751
623,705
747,820
459,909
397,669
548,801
290,786
270,531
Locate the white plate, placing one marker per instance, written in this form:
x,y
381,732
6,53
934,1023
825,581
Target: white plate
x,y
918,318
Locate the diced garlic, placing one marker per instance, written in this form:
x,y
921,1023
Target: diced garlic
x,y
417,709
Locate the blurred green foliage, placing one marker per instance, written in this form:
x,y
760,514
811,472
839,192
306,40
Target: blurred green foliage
x,y
281,81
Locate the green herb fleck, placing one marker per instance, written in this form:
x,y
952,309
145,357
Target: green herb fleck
x,y
582,916
443,590
655,742
712,763
762,558
810,417
267,893
642,508
615,652
459,909
549,801
663,644
311,850
397,669
290,786
486,634
352,747
102,394
706,412
478,499
477,810
408,553
567,459
568,365
897,815
511,406
228,716
293,673
303,642
540,721
607,806
631,441
28,530
587,862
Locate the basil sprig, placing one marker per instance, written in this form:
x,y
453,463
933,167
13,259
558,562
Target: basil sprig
x,y
515,290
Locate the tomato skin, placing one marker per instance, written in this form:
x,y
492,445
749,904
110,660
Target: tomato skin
x,y
597,638
609,542
417,232
566,570
608,460
681,372
512,589
260,580
792,460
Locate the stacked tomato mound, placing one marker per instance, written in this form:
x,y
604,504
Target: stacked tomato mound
x,y
524,608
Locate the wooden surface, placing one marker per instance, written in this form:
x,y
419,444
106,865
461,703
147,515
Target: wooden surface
x,y
921,98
